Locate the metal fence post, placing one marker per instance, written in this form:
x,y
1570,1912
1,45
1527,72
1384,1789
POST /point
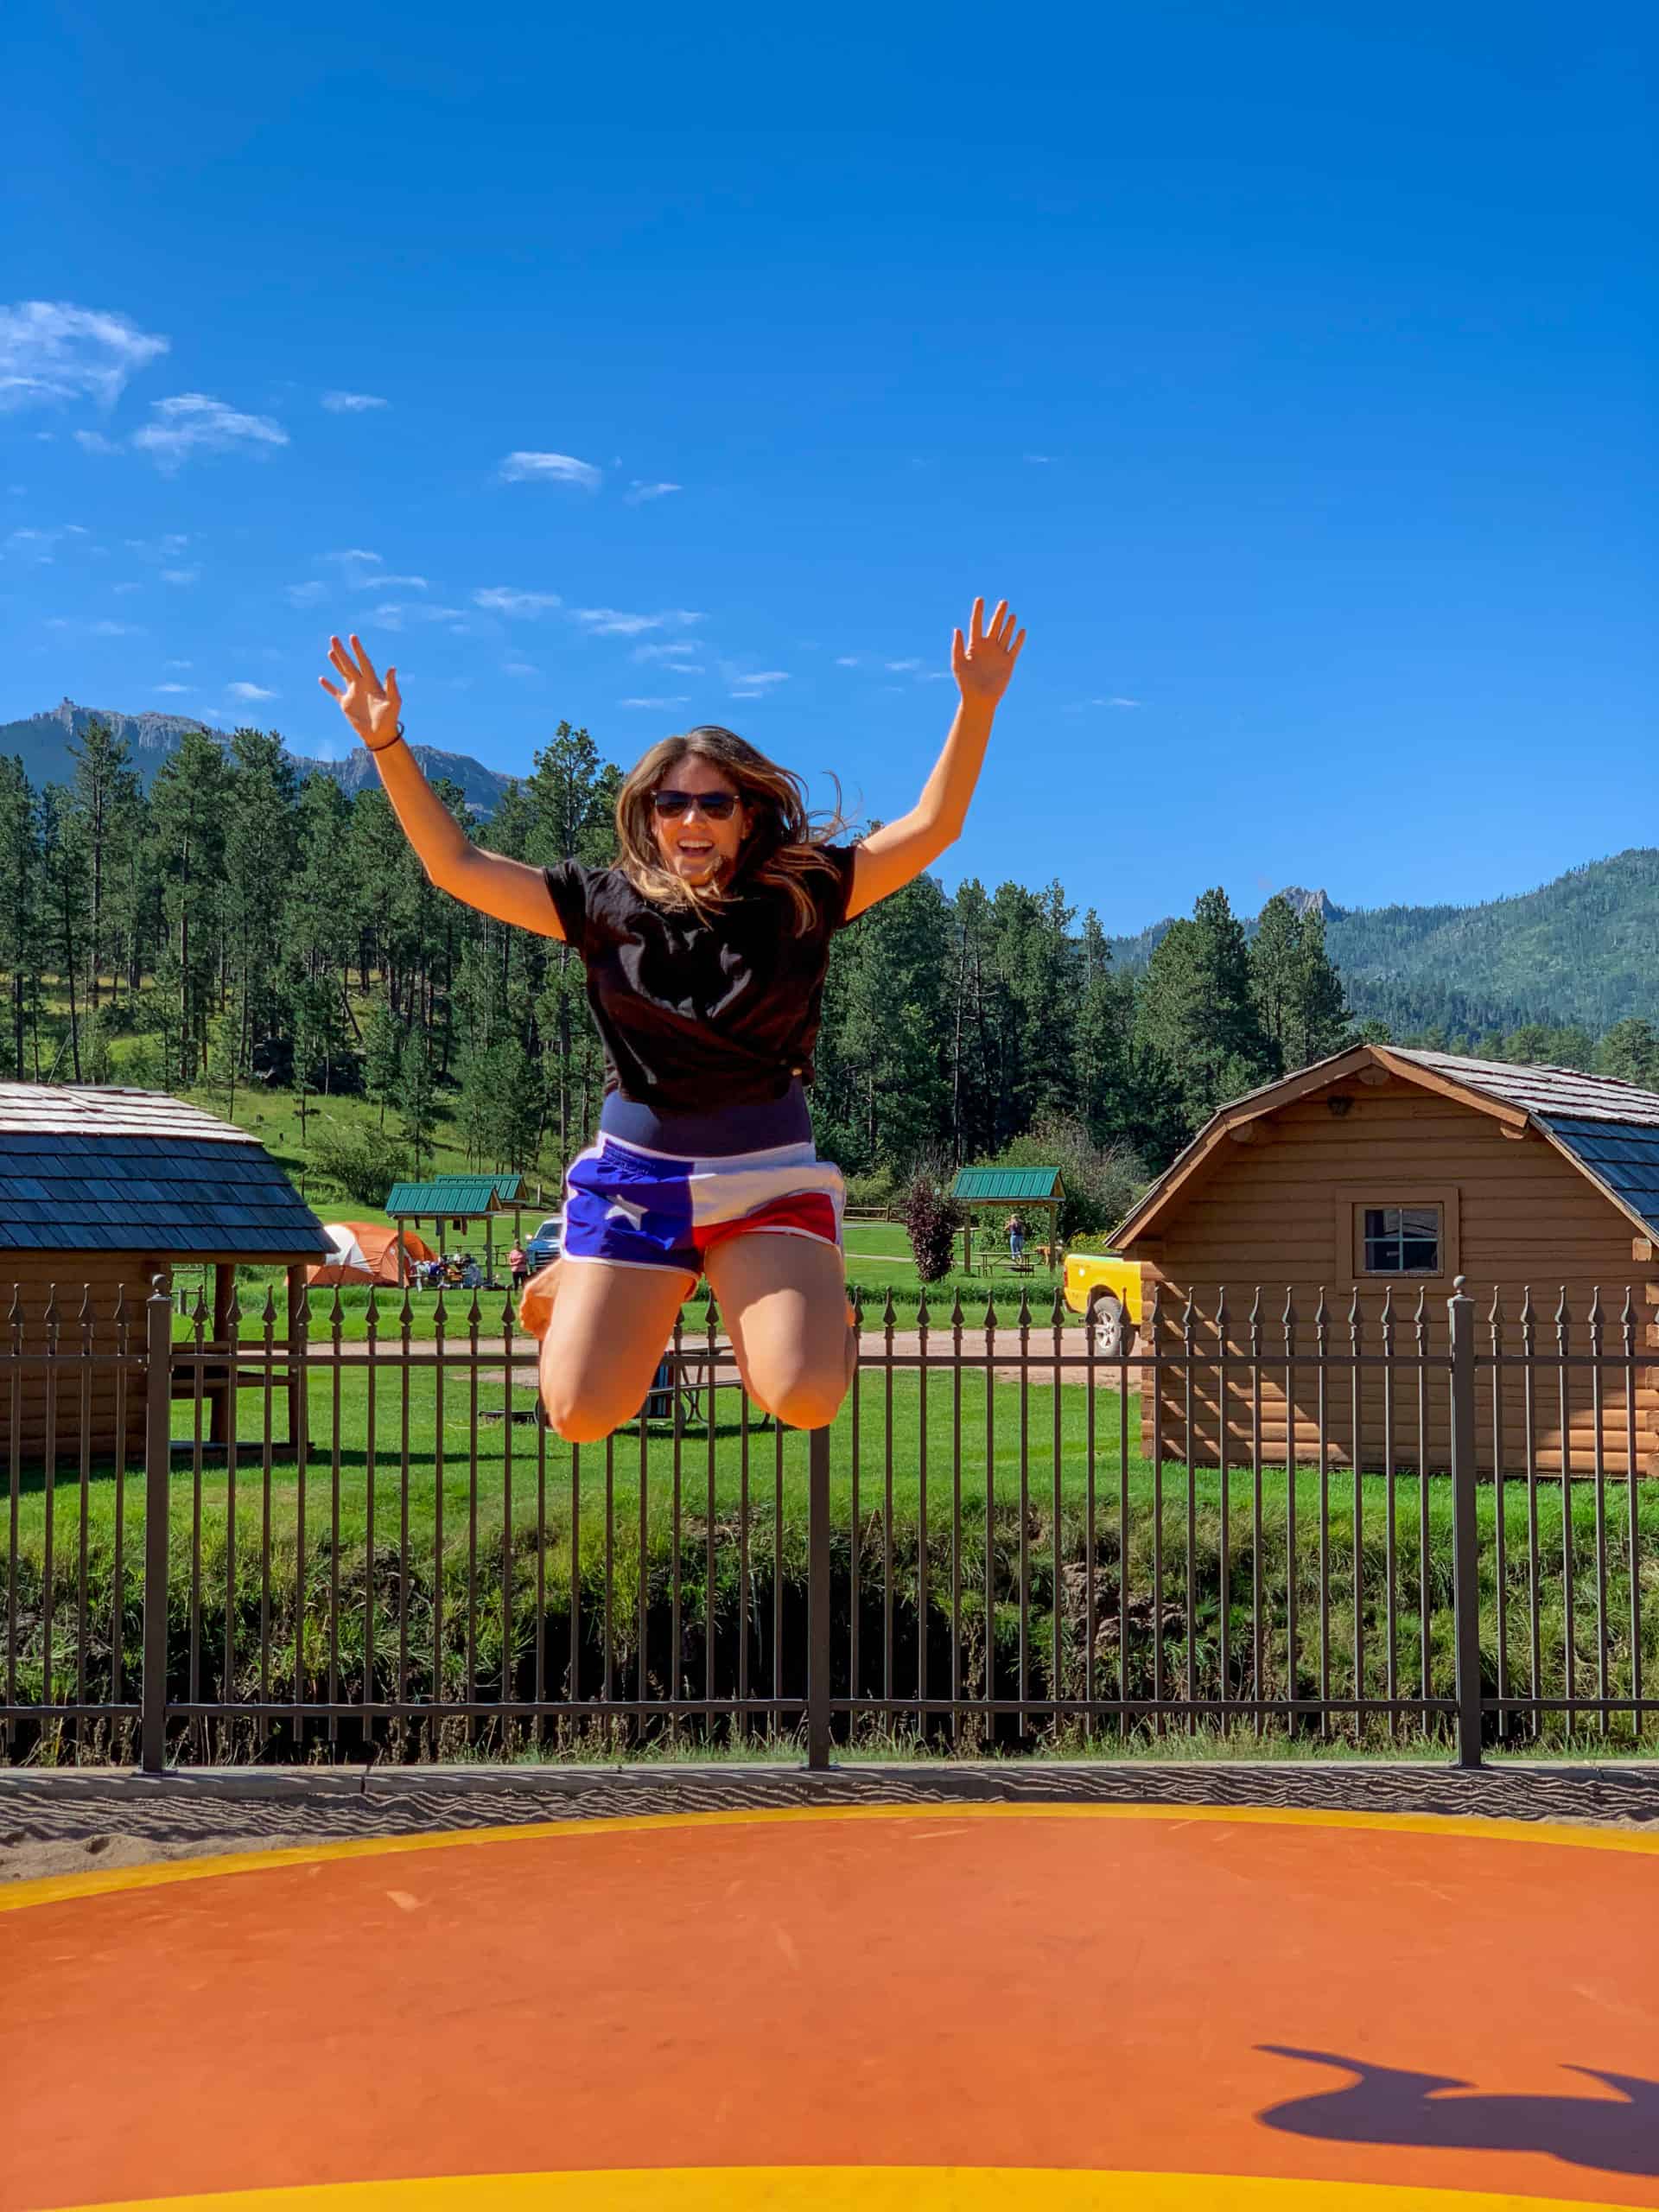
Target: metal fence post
x,y
818,1599
158,1458
1465,1562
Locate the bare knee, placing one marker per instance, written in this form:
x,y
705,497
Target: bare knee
x,y
581,1421
804,1396
579,1407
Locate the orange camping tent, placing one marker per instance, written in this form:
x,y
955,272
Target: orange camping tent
x,y
365,1251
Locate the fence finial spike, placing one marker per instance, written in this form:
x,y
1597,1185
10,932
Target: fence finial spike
x,y
1460,1286
922,1315
956,1316
1025,1309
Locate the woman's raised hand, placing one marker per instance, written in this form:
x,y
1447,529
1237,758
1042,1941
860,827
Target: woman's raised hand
x,y
372,708
985,662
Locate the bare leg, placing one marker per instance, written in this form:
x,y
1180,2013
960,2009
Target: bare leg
x,y
608,1330
783,1300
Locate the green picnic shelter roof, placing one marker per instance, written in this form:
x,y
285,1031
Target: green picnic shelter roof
x,y
455,1195
998,1186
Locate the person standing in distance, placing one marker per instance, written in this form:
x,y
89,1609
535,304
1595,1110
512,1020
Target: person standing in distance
x,y
705,945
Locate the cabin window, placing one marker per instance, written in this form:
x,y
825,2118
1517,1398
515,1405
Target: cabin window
x,y
1403,1240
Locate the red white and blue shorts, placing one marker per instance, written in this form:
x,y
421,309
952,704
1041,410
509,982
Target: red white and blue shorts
x,y
633,1207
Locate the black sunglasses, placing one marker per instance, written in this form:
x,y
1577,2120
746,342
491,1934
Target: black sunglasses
x,y
717,805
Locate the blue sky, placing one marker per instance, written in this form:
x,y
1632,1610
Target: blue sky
x,y
1289,367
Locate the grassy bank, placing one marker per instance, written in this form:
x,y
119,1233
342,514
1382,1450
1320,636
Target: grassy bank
x,y
460,1582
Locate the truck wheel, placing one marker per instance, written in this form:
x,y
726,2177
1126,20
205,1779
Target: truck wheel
x,y
1113,1330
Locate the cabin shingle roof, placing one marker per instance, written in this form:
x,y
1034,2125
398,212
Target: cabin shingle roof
x,y
102,1168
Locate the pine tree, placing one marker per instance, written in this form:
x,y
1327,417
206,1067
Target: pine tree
x,y
186,812
1196,1011
20,861
416,1101
104,795
383,1044
1298,993
1629,1051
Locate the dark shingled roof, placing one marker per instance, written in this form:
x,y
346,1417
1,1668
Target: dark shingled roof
x,y
106,1169
1622,1156
1543,1090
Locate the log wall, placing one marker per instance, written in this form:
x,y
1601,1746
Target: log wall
x,y
1276,1210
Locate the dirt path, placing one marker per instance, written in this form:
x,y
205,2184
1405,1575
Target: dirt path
x,y
976,1346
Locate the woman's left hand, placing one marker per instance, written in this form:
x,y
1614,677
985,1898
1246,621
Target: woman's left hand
x,y
985,662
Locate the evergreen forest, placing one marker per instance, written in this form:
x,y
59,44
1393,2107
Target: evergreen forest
x,y
241,927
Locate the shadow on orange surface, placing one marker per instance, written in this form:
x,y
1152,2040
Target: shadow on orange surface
x,y
1387,2104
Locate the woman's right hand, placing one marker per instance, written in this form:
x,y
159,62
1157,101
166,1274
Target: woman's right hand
x,y
372,708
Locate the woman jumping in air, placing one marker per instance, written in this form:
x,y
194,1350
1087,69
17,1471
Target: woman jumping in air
x,y
705,946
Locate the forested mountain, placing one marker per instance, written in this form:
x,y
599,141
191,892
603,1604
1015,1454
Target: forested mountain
x,y
43,742
236,922
1582,949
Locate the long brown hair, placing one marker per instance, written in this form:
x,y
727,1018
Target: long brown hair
x,y
784,842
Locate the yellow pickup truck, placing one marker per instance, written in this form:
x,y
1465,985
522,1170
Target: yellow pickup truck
x,y
1108,1287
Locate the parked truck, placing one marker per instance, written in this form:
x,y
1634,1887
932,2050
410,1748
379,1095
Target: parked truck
x,y
1107,1287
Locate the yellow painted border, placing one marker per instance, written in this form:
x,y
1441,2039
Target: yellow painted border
x,y
853,2188
60,1889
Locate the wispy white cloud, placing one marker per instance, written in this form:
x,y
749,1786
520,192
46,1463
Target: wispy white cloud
x,y
180,664
752,684
901,667
179,690
551,468
27,543
194,423
520,668
379,581
180,575
639,493
846,660
761,679
395,614
1039,460
351,403
353,554
613,622
248,691
80,629
95,441
679,699
501,598
121,591
1114,702
52,352
669,651
306,594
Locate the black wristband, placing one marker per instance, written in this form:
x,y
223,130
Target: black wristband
x,y
390,742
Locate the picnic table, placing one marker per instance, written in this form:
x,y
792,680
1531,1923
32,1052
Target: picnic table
x,y
699,1377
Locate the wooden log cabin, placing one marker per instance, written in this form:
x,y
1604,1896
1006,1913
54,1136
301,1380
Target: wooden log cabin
x,y
102,1189
1358,1190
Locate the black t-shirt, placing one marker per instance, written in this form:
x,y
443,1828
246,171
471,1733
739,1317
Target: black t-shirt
x,y
696,1014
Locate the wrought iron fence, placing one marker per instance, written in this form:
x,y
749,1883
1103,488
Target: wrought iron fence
x,y
1408,1521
